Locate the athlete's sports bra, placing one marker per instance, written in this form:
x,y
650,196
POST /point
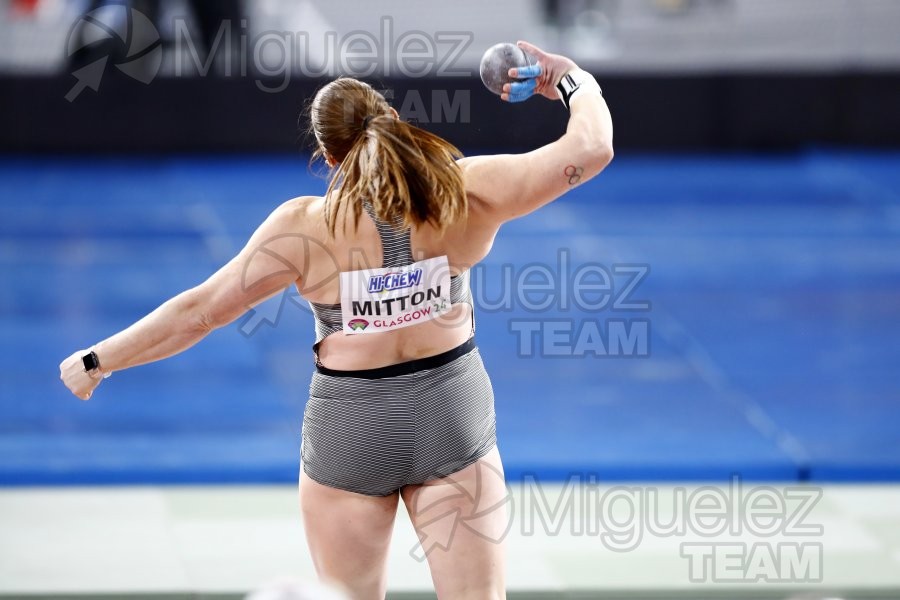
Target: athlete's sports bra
x,y
397,251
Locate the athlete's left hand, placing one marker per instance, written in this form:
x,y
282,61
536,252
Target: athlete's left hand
x,y
73,375
540,78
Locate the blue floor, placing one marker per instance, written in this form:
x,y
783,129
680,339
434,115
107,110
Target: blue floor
x,y
772,334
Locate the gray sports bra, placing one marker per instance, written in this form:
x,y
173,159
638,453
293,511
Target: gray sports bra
x,y
397,251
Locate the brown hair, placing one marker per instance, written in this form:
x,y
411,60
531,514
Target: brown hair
x,y
405,172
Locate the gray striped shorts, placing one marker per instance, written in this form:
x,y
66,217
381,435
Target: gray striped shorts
x,y
377,430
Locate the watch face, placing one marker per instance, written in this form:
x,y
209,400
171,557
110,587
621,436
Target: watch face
x,y
90,361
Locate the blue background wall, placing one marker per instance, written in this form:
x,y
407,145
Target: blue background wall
x,y
775,311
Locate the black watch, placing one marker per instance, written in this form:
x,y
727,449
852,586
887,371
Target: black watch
x,y
90,361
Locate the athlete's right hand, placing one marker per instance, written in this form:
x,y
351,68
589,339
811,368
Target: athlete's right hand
x,y
540,78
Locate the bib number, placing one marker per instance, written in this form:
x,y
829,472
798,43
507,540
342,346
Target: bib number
x,y
376,300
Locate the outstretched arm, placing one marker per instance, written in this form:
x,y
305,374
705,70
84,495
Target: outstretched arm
x,y
262,269
513,185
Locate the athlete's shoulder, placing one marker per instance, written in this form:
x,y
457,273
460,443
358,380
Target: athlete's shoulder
x,y
301,205
298,213
467,163
482,173
480,177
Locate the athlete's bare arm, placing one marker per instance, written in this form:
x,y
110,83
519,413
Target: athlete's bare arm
x,y
262,269
511,185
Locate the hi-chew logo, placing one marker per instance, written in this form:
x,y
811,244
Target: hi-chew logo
x,y
394,281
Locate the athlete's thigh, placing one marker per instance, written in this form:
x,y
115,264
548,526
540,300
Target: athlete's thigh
x,y
348,536
462,521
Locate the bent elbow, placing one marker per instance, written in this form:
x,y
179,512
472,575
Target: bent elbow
x,y
204,323
215,317
596,156
195,314
601,154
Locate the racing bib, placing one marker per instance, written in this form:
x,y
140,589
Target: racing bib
x,y
376,300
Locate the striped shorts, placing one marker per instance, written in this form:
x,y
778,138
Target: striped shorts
x,y
377,430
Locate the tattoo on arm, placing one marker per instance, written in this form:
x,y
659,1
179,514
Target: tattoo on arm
x,y
573,174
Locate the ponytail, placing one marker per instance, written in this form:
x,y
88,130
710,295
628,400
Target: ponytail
x,y
408,175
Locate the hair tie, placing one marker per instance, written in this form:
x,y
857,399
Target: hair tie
x,y
366,122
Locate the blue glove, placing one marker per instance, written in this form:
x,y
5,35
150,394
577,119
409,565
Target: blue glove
x,y
520,91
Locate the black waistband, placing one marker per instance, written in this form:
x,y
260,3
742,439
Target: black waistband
x,y
405,368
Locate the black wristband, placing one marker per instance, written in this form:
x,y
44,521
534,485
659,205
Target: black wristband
x,y
573,81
